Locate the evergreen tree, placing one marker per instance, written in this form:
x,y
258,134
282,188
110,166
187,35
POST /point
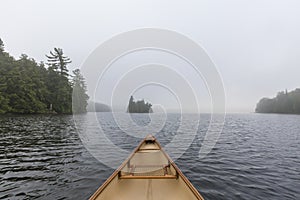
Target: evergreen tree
x,y
5,65
59,87
131,105
80,98
1,46
57,61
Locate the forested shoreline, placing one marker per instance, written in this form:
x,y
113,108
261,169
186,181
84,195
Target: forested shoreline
x,y
285,103
28,87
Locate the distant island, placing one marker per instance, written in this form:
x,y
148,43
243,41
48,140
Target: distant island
x,y
139,106
97,107
285,103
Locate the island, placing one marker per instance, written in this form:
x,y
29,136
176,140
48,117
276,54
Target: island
x,y
97,107
285,103
139,106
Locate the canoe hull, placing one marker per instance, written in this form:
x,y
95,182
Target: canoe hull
x,y
147,174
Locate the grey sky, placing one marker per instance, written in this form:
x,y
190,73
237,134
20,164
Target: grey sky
x,y
255,44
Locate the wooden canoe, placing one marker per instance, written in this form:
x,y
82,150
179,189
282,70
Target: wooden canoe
x,y
147,174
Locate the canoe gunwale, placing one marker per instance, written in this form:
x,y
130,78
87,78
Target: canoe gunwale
x,y
179,172
116,172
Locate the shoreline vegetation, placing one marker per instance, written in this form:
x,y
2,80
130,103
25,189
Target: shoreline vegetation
x,y
139,106
28,87
284,103
97,107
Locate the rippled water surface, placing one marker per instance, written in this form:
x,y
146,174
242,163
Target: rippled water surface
x,y
256,157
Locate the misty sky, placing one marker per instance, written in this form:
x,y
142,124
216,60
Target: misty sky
x,y
255,44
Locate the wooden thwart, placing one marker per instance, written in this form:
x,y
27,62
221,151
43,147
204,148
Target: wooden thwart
x,y
147,177
148,174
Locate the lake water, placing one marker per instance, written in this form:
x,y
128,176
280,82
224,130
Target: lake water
x,y
256,157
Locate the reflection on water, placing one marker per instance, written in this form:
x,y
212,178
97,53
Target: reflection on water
x,y
256,157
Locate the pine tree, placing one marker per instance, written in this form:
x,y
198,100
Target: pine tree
x,y
131,105
57,61
59,87
79,97
5,63
1,46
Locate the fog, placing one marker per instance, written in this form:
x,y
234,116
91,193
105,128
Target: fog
x,y
254,44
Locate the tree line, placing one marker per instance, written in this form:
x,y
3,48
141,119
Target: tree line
x,y
139,106
284,102
28,87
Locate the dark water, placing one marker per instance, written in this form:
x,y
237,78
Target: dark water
x,y
257,157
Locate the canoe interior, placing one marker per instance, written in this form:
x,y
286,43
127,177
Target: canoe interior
x,y
148,174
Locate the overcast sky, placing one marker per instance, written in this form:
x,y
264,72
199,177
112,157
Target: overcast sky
x,y
255,44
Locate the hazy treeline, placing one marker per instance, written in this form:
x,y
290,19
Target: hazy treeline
x,y
138,106
97,107
30,87
284,102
